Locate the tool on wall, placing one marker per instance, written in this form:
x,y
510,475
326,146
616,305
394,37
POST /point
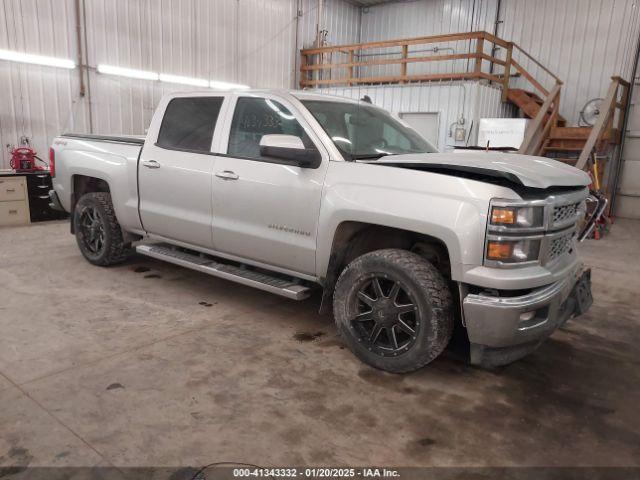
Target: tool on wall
x,y
24,157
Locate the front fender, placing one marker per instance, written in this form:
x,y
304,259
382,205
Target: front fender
x,y
452,209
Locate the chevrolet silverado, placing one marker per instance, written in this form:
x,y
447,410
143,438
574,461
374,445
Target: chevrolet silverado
x,y
293,191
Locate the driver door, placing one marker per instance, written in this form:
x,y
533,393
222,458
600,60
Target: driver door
x,y
266,210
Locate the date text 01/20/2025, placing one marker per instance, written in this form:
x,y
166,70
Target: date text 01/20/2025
x,y
316,472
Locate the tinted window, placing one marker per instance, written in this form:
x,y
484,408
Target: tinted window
x,y
255,117
365,132
188,123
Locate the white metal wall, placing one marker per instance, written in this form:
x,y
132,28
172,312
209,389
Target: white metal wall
x,y
628,195
253,42
584,42
452,100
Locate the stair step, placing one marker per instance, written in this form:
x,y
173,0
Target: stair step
x,y
528,102
551,148
238,274
570,133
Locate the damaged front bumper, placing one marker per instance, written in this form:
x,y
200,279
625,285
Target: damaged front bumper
x,y
504,329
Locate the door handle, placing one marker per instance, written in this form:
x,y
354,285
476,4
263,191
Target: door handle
x,y
151,164
227,175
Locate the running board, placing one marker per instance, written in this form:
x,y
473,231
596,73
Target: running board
x,y
208,265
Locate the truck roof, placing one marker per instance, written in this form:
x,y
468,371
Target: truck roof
x,y
299,94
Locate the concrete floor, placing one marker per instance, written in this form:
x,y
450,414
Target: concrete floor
x,y
150,364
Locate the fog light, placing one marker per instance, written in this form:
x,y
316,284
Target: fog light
x,y
524,317
499,250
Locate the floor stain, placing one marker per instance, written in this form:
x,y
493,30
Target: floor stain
x,y
115,386
426,442
18,458
61,455
307,337
141,269
153,275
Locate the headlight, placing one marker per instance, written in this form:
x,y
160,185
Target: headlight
x,y
513,251
517,217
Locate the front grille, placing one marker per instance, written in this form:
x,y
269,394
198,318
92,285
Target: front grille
x,y
564,213
560,245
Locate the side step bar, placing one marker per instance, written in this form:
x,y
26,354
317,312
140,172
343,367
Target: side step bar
x,y
208,265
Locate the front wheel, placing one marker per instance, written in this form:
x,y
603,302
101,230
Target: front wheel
x,y
98,232
394,310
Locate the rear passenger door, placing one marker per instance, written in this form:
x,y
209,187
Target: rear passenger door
x,y
175,170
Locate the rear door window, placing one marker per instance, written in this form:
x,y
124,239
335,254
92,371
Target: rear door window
x,y
189,122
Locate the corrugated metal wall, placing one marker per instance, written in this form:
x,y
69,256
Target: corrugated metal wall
x,y
452,100
256,41
627,202
244,41
584,42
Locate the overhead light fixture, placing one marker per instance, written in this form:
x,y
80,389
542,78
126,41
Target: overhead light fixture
x,y
227,86
197,82
36,59
127,72
168,78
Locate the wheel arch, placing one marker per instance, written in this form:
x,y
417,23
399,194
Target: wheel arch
x,y
352,239
83,184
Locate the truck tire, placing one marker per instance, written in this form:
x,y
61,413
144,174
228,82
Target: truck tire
x,y
98,232
394,310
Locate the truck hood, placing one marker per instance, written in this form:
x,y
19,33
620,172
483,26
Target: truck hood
x,y
526,170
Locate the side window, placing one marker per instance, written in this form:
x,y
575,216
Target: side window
x,y
255,117
188,123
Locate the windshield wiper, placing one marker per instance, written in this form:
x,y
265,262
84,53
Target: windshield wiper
x,y
374,156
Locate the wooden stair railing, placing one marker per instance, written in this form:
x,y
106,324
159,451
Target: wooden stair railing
x,y
529,103
609,124
538,129
344,64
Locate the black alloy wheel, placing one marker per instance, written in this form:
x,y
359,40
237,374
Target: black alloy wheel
x,y
393,309
386,317
93,230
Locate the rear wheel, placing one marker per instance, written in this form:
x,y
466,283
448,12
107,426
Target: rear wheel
x,y
98,232
394,310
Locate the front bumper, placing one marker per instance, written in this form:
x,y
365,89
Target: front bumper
x,y
503,329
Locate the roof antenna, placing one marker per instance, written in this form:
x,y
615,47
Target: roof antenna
x,y
366,99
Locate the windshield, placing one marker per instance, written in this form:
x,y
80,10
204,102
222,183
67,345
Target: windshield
x,y
365,132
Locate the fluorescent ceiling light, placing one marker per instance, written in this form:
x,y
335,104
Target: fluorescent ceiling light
x,y
127,72
36,59
227,86
168,78
198,82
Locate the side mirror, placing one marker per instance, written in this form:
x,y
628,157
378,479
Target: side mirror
x,y
289,147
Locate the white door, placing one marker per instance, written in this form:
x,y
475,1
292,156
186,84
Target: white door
x,y
265,209
175,172
426,124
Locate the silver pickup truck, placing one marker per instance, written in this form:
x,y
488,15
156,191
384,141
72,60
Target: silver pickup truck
x,y
292,191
